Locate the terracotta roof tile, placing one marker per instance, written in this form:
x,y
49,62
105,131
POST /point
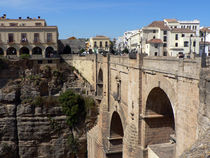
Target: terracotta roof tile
x,y
171,20
207,29
159,24
181,30
158,41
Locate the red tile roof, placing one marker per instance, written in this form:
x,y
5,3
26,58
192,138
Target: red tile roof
x,y
207,43
207,29
171,20
182,30
159,24
158,41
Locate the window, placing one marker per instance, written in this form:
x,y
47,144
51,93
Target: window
x,y
156,45
164,53
175,27
106,44
165,32
11,37
176,44
186,43
38,24
183,35
95,45
154,31
191,35
155,53
164,38
164,44
194,43
49,37
23,37
13,24
100,44
176,37
153,37
36,37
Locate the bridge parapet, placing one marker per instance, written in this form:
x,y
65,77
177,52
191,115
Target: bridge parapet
x,y
189,68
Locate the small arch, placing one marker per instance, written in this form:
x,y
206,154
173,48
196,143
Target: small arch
x,y
11,51
159,118
116,129
1,51
24,50
100,83
49,52
37,51
100,75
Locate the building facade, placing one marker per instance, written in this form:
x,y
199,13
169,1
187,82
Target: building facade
x,y
99,43
167,38
27,36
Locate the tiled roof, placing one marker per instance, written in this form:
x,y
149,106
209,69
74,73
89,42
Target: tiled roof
x,y
159,24
207,29
158,41
181,30
171,20
207,43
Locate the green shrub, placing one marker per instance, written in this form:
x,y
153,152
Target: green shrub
x,y
24,56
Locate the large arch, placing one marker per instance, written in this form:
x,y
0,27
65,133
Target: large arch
x,y
1,51
24,50
37,51
100,83
49,52
116,136
11,51
159,118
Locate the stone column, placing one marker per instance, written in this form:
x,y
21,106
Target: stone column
x,y
5,52
18,53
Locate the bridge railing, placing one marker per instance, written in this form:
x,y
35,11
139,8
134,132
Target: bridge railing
x,y
172,65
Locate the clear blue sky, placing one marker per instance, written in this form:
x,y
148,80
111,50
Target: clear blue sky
x,y
86,18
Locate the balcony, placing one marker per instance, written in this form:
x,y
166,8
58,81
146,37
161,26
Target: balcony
x,y
115,144
24,42
11,42
49,42
37,42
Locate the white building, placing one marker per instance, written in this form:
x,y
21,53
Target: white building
x,y
205,36
166,38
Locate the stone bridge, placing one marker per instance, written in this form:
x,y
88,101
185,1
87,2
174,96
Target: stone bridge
x,y
149,106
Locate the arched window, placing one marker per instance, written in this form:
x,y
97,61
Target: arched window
x,y
24,50
49,52
11,51
37,51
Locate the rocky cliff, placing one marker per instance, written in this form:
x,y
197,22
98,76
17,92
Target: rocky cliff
x,y
30,128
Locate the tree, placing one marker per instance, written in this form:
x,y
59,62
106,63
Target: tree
x,y
67,49
73,105
112,51
125,51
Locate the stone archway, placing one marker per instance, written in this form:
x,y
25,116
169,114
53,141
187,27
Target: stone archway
x,y
49,52
159,118
1,51
100,83
115,145
24,50
11,51
37,51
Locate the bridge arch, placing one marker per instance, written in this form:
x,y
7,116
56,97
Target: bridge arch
x,y
116,136
159,118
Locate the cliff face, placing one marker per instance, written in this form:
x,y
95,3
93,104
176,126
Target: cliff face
x,y
29,129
